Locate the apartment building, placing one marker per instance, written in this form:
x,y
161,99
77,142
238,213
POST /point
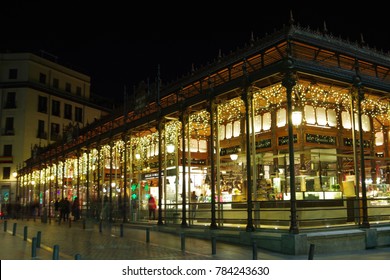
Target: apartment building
x,y
40,101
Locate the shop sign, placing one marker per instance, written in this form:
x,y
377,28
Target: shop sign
x,y
170,162
195,161
230,150
284,140
321,139
108,175
266,143
154,175
349,142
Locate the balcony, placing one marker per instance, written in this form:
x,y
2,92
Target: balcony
x,y
42,135
8,131
6,159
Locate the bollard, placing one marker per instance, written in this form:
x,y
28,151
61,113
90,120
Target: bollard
x,y
14,230
183,241
147,235
254,250
100,226
56,250
213,245
121,230
5,225
25,233
311,252
33,247
38,239
77,257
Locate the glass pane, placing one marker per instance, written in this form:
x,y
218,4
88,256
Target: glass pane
x,y
321,116
309,114
229,131
236,129
332,120
257,124
267,121
379,138
356,122
281,117
366,123
193,145
202,146
221,132
346,119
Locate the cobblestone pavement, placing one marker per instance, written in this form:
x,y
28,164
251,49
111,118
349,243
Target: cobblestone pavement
x,y
95,241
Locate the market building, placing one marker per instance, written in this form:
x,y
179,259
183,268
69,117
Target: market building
x,y
288,134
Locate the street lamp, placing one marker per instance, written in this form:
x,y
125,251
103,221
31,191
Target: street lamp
x,y
297,116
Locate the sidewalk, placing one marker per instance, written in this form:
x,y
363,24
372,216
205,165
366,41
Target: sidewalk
x,y
94,241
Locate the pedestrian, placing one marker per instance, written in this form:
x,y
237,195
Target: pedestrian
x,y
104,213
56,207
76,209
152,207
65,209
194,203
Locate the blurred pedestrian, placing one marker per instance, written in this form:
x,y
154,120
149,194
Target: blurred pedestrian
x,y
65,209
76,209
152,207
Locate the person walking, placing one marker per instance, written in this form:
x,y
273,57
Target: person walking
x,y
65,209
194,204
76,209
56,208
152,207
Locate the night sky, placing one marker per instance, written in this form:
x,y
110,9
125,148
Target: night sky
x,y
121,45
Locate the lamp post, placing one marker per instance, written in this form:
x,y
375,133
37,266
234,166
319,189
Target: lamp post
x,y
360,96
289,82
15,176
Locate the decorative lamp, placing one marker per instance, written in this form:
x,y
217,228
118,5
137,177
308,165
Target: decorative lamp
x,y
297,116
170,148
234,156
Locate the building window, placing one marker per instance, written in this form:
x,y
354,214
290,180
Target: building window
x,y
42,78
78,91
54,132
236,129
13,74
366,125
41,130
9,126
379,138
42,104
78,114
7,150
55,108
267,121
281,116
68,111
68,87
257,120
56,83
6,172
10,101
